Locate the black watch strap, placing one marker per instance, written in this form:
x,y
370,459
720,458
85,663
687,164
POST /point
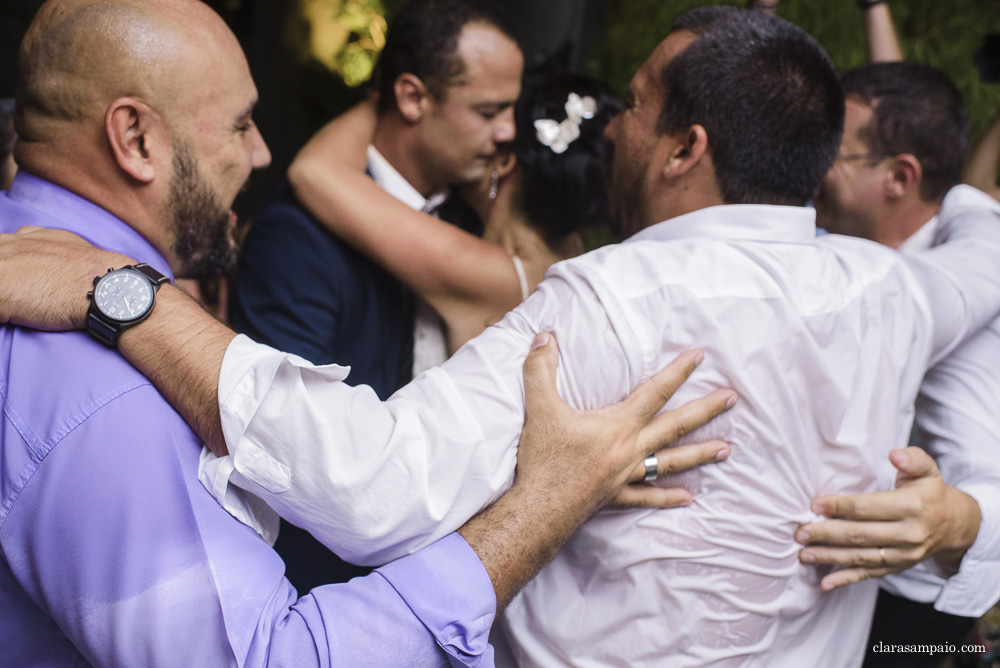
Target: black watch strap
x,y
156,277
103,331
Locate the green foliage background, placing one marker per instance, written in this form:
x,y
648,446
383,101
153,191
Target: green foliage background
x,y
942,33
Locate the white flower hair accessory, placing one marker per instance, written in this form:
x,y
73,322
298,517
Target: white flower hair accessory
x,y
558,136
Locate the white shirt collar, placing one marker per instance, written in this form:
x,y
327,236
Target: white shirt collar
x,y
922,239
752,222
393,183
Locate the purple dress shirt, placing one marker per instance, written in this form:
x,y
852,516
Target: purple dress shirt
x,y
113,554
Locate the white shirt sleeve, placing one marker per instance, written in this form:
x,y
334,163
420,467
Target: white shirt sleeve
x,y
961,277
370,480
374,481
959,398
976,587
956,423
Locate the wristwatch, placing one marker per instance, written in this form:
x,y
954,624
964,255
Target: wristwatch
x,y
121,298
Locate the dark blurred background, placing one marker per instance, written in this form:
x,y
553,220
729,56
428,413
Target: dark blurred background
x,y
309,57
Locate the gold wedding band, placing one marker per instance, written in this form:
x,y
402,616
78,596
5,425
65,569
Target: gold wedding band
x,y
881,556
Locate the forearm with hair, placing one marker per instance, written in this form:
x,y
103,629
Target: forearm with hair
x,y
180,349
520,533
964,524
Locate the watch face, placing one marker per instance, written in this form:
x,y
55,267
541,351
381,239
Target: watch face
x,y
123,295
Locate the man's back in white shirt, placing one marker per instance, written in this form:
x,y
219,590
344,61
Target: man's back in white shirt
x,y
825,340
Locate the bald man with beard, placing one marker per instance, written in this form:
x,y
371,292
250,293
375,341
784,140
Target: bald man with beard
x,y
112,553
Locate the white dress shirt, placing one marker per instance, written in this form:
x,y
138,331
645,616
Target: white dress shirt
x,y
958,422
826,341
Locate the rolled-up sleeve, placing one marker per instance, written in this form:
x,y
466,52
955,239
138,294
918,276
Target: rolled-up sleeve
x,y
976,587
372,481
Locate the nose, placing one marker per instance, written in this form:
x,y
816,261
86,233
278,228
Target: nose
x,y
503,131
260,155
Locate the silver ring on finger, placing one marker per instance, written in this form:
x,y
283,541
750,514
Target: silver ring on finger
x,y
652,465
883,562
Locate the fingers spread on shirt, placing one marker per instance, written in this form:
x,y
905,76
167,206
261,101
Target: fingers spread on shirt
x,y
647,496
548,419
540,365
647,399
671,425
669,460
894,504
906,500
683,457
845,533
848,576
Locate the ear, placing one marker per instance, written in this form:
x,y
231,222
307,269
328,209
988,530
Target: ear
x,y
412,97
904,176
505,162
683,150
136,136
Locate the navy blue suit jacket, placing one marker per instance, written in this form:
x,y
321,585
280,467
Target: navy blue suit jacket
x,y
302,290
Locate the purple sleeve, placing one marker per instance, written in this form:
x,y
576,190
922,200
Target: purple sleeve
x,y
437,598
116,540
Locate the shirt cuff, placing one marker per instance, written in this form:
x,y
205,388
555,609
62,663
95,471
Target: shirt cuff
x,y
976,587
449,591
248,371
214,473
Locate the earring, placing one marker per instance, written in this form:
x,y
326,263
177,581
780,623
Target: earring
x,y
494,184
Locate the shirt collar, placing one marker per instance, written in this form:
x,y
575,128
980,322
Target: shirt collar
x,y
75,214
923,238
749,222
393,183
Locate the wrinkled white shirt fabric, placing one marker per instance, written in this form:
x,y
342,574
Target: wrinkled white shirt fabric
x,y
958,423
826,340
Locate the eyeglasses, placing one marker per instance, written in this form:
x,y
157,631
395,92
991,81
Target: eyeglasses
x,y
865,156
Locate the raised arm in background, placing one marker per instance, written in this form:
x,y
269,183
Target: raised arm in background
x,y
769,7
883,45
981,170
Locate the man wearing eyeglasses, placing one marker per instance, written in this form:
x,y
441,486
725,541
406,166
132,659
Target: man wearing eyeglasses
x,y
895,182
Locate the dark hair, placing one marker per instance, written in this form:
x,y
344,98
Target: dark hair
x,y
769,100
423,40
562,192
916,110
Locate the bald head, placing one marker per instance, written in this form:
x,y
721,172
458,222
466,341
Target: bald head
x,y
79,55
114,105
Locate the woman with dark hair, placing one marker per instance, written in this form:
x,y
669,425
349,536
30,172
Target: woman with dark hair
x,y
542,188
